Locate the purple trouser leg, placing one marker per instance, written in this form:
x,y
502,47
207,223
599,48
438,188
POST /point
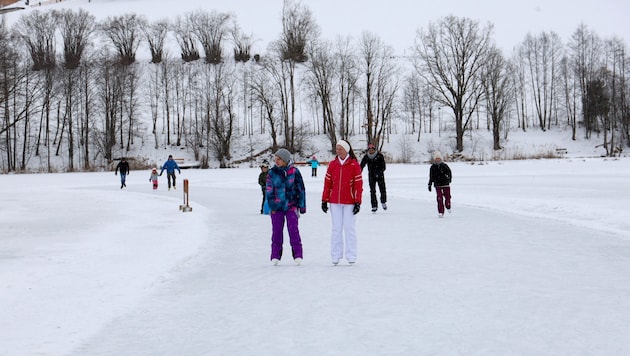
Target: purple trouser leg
x,y
294,233
277,236
443,198
277,228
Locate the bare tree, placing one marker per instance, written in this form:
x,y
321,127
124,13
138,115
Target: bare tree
x,y
298,29
87,101
598,104
320,81
155,34
37,30
498,86
411,101
451,54
263,92
609,103
185,38
242,46
347,86
570,89
76,29
110,92
586,48
155,96
380,86
211,29
16,100
220,97
130,103
542,55
124,32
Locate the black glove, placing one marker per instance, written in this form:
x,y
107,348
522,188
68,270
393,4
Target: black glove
x,y
357,207
429,186
324,207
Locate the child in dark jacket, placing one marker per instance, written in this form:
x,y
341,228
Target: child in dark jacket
x,y
262,181
440,176
286,197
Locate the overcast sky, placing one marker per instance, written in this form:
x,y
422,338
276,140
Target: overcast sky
x,y
395,21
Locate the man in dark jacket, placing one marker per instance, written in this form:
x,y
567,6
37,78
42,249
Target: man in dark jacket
x,y
376,175
440,176
123,166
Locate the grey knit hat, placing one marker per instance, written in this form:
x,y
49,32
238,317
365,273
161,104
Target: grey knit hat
x,y
284,155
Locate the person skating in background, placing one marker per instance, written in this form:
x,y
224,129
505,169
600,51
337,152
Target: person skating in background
x,y
170,166
440,177
262,181
376,175
343,188
286,196
314,164
123,166
154,178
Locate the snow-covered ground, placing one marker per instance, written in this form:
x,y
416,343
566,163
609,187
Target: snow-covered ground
x,y
534,260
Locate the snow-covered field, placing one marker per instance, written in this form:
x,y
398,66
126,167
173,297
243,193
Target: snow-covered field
x,y
534,260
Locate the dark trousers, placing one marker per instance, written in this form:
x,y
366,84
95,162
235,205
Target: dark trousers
x,y
313,172
170,176
381,187
262,204
443,198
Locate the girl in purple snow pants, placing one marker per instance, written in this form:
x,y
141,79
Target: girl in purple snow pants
x,y
277,236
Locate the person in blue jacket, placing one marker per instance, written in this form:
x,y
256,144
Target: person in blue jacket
x,y
314,164
170,166
286,195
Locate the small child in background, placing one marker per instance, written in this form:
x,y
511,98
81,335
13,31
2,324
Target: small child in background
x,y
262,181
154,178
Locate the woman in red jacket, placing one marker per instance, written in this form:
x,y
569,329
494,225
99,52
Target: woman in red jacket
x,y
343,187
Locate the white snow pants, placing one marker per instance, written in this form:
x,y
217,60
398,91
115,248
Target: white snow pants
x,y
343,225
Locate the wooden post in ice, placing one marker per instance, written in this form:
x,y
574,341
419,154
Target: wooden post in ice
x,y
185,207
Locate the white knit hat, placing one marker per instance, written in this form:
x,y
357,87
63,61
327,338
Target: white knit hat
x,y
437,154
344,144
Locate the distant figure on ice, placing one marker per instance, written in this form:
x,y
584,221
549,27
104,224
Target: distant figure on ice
x,y
262,181
170,165
343,187
314,164
286,196
376,175
440,176
123,166
154,178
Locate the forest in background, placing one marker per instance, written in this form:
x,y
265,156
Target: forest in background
x,y
72,87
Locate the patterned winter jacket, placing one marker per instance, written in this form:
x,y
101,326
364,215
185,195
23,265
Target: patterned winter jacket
x,y
343,184
440,175
285,189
